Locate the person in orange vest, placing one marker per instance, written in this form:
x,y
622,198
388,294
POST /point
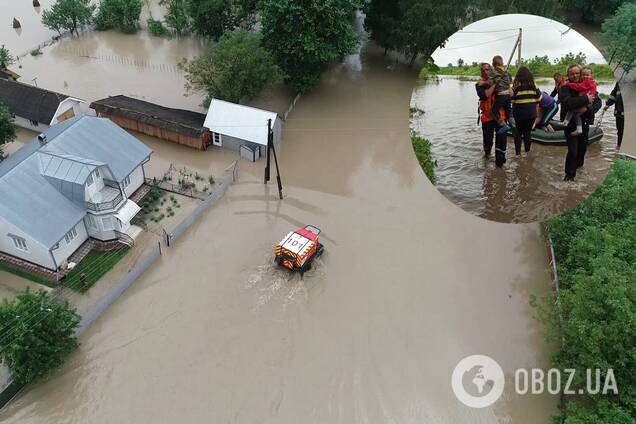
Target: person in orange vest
x,y
486,94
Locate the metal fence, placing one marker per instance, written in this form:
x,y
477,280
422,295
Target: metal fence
x,y
232,175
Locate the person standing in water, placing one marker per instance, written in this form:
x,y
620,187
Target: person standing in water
x,y
486,94
525,98
616,99
571,100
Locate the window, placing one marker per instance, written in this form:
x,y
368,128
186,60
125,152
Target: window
x,y
34,123
217,139
107,222
19,243
89,180
70,235
97,172
56,246
126,181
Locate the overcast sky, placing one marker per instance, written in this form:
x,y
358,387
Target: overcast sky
x,y
480,41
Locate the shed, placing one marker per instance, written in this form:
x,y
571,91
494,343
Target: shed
x,y
35,108
176,125
232,125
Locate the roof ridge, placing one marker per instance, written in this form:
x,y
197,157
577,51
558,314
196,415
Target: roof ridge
x,y
245,106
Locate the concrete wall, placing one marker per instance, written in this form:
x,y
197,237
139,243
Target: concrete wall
x,y
66,249
37,253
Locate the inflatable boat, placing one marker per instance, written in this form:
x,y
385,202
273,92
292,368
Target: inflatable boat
x,y
557,138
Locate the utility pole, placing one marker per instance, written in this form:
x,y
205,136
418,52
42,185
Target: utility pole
x,y
270,147
520,36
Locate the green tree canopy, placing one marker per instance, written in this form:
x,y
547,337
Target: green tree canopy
x,y
177,17
68,15
7,128
235,67
5,58
36,333
305,36
593,11
120,14
381,22
619,37
210,18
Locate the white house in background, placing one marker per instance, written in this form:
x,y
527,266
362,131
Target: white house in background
x,y
70,183
241,128
35,108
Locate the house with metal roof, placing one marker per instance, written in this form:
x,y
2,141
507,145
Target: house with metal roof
x,y
70,184
241,128
35,108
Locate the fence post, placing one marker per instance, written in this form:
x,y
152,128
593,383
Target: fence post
x,y
160,252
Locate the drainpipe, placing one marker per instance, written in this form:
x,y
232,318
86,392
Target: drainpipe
x,y
57,277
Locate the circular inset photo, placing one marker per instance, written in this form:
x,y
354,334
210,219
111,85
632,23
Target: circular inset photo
x,y
510,121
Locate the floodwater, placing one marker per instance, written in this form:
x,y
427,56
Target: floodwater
x,y
530,187
405,289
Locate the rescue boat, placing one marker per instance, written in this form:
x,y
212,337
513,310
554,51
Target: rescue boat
x,y
557,138
298,249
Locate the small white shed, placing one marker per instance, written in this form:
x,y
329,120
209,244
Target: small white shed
x,y
237,127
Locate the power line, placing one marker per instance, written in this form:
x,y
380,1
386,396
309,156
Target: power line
x,y
479,44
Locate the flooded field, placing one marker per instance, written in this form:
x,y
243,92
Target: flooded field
x,y
530,187
214,333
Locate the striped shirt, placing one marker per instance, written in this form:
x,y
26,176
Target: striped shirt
x,y
524,102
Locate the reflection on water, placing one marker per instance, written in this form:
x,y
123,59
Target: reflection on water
x,y
530,187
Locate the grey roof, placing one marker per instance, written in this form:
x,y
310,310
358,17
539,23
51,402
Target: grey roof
x,y
42,187
30,102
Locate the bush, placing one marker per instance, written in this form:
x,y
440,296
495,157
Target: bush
x,y
157,29
36,52
37,333
211,180
595,247
422,148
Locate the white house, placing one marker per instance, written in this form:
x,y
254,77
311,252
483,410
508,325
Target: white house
x,y
241,128
35,108
71,183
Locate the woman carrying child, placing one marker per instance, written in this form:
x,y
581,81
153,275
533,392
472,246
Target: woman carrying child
x,y
525,98
587,85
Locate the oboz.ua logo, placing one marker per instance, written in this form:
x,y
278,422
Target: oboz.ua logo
x,y
478,381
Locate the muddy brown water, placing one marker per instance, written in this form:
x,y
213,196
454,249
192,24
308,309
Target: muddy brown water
x,y
409,285
530,187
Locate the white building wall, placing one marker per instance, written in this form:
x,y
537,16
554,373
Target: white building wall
x,y
98,184
66,249
36,253
97,227
65,105
136,180
25,123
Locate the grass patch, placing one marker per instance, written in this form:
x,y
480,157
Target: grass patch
x,y
595,248
422,148
157,28
36,52
27,276
95,265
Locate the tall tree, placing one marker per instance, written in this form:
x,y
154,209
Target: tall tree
x,y
210,18
427,24
68,15
234,68
305,36
36,333
382,21
177,17
619,38
593,11
7,128
120,14
6,58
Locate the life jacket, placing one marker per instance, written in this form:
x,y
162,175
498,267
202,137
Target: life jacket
x,y
485,110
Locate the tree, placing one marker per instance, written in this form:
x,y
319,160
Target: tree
x,y
210,18
36,333
305,36
5,58
68,15
120,14
619,33
593,11
460,62
382,20
235,67
422,29
177,17
7,128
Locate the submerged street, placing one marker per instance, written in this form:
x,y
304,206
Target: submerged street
x,y
214,333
